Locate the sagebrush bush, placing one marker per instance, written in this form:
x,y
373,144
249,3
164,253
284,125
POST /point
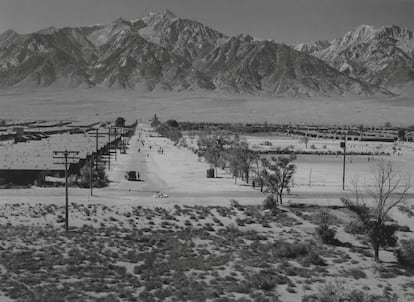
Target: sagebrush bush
x,y
337,292
405,253
268,279
283,249
270,203
326,235
355,227
324,231
313,258
355,273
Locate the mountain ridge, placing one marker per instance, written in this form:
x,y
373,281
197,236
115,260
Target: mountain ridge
x,y
163,51
382,56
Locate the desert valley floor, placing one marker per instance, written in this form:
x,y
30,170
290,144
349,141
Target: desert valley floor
x,y
210,239
103,104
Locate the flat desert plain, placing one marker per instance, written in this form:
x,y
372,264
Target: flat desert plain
x,y
101,104
210,240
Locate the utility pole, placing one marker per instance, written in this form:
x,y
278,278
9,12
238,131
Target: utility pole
x,y
343,146
67,155
116,143
109,149
97,135
91,174
97,147
310,178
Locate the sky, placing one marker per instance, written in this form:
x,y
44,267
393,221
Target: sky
x,y
287,21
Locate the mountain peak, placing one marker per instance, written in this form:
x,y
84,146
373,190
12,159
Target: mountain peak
x,y
365,27
48,31
120,22
167,13
361,33
8,36
8,33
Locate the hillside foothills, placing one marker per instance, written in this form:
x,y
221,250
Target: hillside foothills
x,y
163,52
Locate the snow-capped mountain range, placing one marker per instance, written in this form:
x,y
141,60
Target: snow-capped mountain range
x,y
164,52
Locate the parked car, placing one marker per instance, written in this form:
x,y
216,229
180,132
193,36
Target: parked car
x,y
132,175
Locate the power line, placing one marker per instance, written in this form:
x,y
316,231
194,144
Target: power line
x,y
96,134
67,155
91,174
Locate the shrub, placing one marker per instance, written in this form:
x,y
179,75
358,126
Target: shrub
x,y
324,231
355,273
267,279
336,292
270,203
283,249
355,227
405,253
326,235
314,258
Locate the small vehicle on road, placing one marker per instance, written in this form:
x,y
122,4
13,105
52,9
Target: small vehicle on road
x,y
160,195
132,175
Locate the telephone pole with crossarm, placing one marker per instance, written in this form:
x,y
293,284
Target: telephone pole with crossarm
x,y
66,155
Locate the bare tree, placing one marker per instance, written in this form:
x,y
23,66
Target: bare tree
x,y
389,190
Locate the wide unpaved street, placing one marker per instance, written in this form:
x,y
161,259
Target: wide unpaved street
x,y
179,173
176,172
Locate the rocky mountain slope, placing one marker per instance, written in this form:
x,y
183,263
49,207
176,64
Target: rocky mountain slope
x,y
162,51
381,56
253,66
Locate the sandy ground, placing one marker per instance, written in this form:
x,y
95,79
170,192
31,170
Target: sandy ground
x,y
107,104
325,172
177,173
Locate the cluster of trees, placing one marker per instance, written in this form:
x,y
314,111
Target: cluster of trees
x,y
99,177
233,127
388,191
168,129
230,152
120,122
